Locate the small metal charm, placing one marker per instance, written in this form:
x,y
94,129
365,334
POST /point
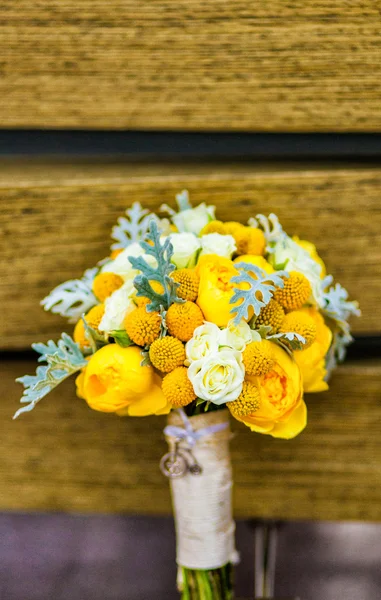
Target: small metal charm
x,y
173,465
195,469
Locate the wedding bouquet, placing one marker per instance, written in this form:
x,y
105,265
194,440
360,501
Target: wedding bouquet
x,y
199,319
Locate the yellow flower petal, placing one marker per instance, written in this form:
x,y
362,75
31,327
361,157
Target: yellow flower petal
x,y
152,402
294,425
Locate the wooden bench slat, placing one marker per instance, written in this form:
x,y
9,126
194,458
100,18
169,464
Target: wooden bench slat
x,y
56,220
244,66
63,456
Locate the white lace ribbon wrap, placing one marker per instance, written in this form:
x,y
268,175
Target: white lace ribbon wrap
x,y
203,503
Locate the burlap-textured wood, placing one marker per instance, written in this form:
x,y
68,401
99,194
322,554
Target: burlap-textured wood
x,y
56,221
246,65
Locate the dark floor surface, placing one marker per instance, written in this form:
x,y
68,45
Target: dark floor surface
x,y
62,557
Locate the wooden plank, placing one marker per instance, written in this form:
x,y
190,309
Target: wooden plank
x,y
56,220
63,456
191,65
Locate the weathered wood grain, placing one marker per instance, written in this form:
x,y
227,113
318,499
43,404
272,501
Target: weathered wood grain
x,y
246,65
63,456
56,221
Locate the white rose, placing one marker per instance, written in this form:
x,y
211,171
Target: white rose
x,y
194,219
295,258
205,341
186,247
122,266
237,336
215,243
117,307
219,377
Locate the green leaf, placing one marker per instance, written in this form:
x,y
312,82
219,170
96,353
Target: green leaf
x,y
293,340
133,227
146,361
160,273
122,338
264,330
63,359
261,289
96,339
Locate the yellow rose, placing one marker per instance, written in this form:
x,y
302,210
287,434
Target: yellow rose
x,y
282,412
311,361
216,288
311,249
115,381
258,261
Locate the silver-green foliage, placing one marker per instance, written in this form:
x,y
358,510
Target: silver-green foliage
x,y
160,273
131,228
271,228
338,309
63,359
183,201
261,288
72,298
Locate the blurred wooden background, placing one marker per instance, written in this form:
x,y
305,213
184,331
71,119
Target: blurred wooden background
x,y
247,65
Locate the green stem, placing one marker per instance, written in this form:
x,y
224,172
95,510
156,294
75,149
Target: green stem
x,y
215,584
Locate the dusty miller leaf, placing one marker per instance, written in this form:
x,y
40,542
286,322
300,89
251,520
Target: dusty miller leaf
x,y
338,309
72,298
161,273
271,228
131,228
336,305
183,201
63,359
262,285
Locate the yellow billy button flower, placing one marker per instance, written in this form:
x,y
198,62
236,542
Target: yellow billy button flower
x,y
272,314
167,353
183,319
249,240
240,234
115,381
189,281
213,227
256,241
311,360
301,322
247,403
115,253
295,293
105,284
143,327
93,318
282,412
177,388
258,357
